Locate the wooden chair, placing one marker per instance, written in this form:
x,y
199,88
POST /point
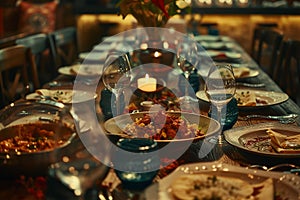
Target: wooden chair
x,y
14,81
280,74
287,71
64,43
265,48
256,38
44,58
10,39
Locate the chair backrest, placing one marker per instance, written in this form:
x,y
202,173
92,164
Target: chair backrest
x,y
268,49
44,57
65,44
256,38
280,75
10,40
287,73
14,82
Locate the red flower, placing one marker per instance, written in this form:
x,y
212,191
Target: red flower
x,y
161,5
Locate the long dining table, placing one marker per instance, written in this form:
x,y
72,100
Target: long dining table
x,y
223,152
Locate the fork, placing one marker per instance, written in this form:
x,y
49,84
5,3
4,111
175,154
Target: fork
x,y
252,85
284,167
285,119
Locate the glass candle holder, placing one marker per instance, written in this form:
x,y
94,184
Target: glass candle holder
x,y
136,162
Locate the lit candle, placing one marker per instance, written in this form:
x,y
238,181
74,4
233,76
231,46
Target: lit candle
x,y
157,54
147,84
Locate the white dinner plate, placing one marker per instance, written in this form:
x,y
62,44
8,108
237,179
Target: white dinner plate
x,y
228,54
269,97
239,137
116,38
212,38
217,45
93,56
252,72
65,96
102,47
81,70
286,185
236,65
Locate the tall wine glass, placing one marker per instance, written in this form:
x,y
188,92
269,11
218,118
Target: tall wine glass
x,y
116,76
220,87
186,55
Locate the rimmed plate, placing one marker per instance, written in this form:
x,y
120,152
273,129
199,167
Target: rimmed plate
x,y
217,45
225,54
211,38
286,186
65,96
93,56
116,125
102,47
269,98
81,70
240,136
116,38
250,74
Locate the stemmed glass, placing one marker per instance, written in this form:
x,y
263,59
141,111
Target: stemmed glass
x,y
78,175
186,58
116,76
220,87
186,54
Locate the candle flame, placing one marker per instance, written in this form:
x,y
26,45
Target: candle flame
x,y
147,76
157,54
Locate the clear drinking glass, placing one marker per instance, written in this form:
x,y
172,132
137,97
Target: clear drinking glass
x,y
186,53
220,87
116,76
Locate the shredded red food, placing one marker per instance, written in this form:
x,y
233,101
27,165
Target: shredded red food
x,y
162,126
30,138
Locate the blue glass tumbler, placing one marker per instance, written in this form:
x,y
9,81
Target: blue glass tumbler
x,y
138,164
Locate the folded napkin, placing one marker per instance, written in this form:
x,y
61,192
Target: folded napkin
x,y
63,96
240,72
284,143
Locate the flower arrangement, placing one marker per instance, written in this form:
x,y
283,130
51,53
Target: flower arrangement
x,y
153,13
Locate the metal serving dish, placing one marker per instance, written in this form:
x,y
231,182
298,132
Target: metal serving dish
x,y
46,115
